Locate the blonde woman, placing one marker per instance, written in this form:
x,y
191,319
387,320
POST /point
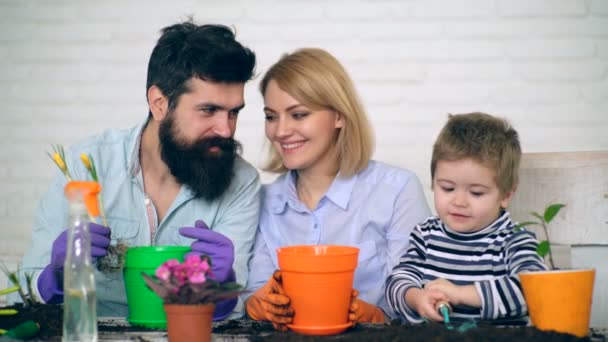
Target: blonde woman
x,y
329,191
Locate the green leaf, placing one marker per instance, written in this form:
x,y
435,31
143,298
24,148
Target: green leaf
x,y
9,290
521,225
93,168
552,210
160,290
543,248
8,312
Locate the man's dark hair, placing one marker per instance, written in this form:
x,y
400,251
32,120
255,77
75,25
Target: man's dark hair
x,y
209,52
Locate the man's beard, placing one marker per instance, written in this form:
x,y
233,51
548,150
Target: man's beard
x,y
207,174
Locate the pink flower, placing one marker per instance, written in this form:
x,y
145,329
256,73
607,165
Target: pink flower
x,y
189,282
204,266
180,273
172,263
163,272
192,261
197,277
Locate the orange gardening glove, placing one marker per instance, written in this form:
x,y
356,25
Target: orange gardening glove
x,y
364,312
270,303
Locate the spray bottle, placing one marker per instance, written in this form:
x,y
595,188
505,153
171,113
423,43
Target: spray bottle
x,y
80,302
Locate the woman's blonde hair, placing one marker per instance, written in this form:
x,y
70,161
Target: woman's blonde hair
x,y
318,81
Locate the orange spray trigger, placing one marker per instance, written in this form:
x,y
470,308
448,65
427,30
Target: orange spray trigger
x,y
88,190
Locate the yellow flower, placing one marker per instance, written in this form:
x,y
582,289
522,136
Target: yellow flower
x,y
86,161
90,165
60,163
58,157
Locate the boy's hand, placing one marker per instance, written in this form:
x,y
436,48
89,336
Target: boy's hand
x,y
424,302
448,288
457,294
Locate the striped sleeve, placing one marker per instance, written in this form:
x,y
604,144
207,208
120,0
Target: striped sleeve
x,y
503,297
407,274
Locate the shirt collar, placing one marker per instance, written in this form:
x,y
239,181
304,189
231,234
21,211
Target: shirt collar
x,y
133,164
339,193
502,221
340,190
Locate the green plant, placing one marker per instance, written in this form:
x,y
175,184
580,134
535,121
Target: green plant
x,y
544,247
27,297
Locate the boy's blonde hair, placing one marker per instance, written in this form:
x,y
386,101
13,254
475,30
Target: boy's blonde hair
x,y
318,81
489,140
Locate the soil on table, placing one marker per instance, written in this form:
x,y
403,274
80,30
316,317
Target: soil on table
x,y
50,319
263,331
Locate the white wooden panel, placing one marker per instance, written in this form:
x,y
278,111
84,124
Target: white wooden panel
x,y
577,179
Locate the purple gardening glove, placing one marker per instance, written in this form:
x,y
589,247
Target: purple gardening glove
x,y
50,281
218,247
221,251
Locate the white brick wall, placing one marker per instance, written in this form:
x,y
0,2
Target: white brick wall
x,y
71,68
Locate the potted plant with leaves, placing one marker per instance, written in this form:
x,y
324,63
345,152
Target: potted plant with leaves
x,y
557,299
29,318
189,294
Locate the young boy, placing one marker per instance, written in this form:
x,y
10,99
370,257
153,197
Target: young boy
x,y
470,254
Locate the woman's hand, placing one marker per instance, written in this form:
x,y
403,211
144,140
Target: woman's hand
x,y
363,312
270,303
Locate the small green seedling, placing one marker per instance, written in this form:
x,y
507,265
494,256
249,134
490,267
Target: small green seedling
x,y
9,290
8,312
544,247
27,298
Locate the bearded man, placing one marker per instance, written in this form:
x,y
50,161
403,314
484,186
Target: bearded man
x,y
177,179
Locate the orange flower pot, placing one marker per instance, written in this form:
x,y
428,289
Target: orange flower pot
x,y
319,282
559,300
189,322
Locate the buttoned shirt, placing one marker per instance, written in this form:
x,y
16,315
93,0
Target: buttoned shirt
x,y
375,210
132,217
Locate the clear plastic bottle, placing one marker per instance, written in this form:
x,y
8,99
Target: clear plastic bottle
x,y
79,295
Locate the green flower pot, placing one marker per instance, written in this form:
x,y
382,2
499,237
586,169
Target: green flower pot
x,y
145,307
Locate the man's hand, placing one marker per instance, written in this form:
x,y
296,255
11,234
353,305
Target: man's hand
x,y
217,246
270,303
50,282
363,312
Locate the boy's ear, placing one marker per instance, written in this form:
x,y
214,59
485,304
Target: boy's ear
x,y
504,203
158,103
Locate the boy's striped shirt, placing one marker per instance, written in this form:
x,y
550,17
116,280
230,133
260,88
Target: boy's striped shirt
x,y
489,258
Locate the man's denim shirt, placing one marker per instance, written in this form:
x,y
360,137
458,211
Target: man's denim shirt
x,y
116,155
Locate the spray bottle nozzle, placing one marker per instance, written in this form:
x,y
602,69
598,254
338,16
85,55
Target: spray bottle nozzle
x,y
87,191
